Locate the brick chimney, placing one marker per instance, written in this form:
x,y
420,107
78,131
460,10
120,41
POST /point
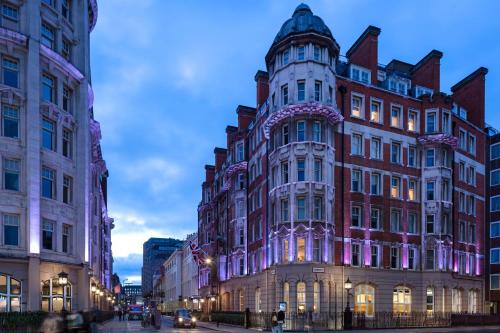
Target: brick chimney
x,y
262,80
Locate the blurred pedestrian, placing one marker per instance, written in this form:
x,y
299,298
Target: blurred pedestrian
x,y
274,322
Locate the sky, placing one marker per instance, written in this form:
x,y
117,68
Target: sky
x,y
168,76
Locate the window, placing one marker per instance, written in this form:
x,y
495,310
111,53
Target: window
x,y
360,74
301,130
461,171
456,300
301,297
395,251
284,94
48,235
48,134
318,170
495,281
429,301
376,148
412,121
10,72
412,223
495,256
285,250
471,175
286,57
375,111
445,224
317,131
429,158
258,300
10,231
300,52
357,106
317,249
355,255
396,116
472,233
318,212
375,184
66,9
419,91
445,189
495,229
356,181
48,36
10,294
495,203
412,189
364,300
48,88
429,191
412,156
67,98
301,249
396,152
495,151
429,259
11,171
356,216
317,53
316,302
430,122
66,49
412,262
374,256
357,144
301,170
472,301
401,300
472,144
462,139
429,223
395,187
240,152
301,90
471,205
67,144
317,90
284,134
284,172
375,218
10,121
67,232
48,183
67,190
395,220
301,208
10,15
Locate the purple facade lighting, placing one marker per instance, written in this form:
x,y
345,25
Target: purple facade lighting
x,y
439,139
93,12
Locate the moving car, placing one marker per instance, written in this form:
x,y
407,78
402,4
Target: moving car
x,y
135,312
182,318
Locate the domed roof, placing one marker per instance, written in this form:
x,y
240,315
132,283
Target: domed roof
x,y
302,21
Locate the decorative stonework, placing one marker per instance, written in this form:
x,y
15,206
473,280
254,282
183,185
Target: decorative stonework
x,y
90,96
443,139
203,208
92,14
51,111
95,131
12,36
230,171
61,62
11,94
305,109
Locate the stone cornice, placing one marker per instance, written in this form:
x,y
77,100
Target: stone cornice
x,y
441,138
12,36
62,63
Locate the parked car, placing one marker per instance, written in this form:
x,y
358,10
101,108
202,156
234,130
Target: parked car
x,y
183,318
135,311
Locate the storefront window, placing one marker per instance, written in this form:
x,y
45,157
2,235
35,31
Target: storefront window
x,y
364,299
401,300
10,294
54,296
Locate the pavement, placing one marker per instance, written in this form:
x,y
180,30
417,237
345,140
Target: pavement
x,y
115,326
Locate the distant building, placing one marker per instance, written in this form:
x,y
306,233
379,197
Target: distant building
x,y
132,293
155,252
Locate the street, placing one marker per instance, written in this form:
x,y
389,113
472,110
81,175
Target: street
x,y
117,326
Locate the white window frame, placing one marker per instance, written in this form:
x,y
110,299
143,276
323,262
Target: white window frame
x,y
380,111
361,71
491,278
491,203
491,229
436,123
491,255
380,150
361,106
491,151
400,117
417,120
361,153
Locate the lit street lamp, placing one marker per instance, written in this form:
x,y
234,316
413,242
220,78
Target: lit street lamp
x,y
347,311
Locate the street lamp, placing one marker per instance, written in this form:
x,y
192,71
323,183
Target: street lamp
x,y
63,281
347,311
208,261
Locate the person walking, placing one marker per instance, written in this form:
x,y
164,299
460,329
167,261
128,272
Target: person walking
x,y
274,322
281,320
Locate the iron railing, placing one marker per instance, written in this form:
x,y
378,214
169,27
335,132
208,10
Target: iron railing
x,y
393,320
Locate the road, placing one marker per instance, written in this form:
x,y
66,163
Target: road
x,y
116,326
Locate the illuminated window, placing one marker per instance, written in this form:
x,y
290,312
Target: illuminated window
x,y
301,297
456,300
395,187
301,249
472,301
286,293
412,121
357,106
412,189
10,294
375,111
316,299
429,301
55,295
258,300
285,250
396,116
364,300
401,300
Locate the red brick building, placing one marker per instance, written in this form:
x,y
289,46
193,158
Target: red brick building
x,y
348,169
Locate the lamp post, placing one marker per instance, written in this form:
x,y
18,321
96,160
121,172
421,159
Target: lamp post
x,y
347,311
63,281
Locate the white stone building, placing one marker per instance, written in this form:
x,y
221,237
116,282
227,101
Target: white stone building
x,y
53,189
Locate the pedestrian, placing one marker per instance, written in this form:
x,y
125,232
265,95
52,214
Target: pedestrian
x,y
274,322
120,314
281,320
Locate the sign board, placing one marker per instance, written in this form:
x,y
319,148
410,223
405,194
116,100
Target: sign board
x,y
318,269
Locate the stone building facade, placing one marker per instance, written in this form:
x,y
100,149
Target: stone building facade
x,y
348,169
53,189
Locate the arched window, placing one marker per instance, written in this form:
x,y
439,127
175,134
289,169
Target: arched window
x,y
257,300
456,300
55,295
429,301
472,301
301,297
316,297
286,294
10,294
401,300
364,299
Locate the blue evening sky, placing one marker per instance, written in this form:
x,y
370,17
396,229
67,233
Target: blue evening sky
x,y
168,76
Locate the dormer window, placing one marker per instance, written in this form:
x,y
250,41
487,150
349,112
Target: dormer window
x,y
300,52
399,86
360,74
419,91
